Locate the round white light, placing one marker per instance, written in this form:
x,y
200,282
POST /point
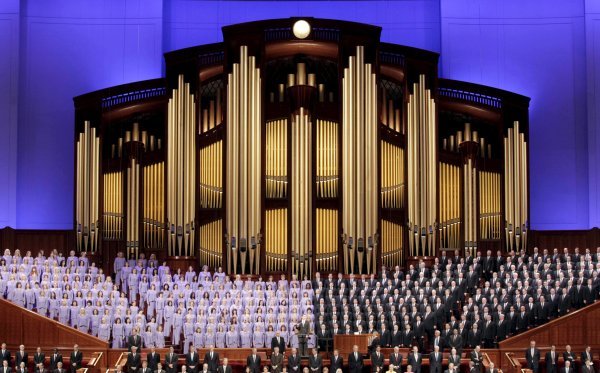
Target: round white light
x,y
301,29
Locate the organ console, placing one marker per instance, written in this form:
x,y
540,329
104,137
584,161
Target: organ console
x,y
271,153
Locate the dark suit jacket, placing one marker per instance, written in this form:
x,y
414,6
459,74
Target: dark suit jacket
x,y
435,365
336,363
54,362
39,358
172,360
4,356
18,359
134,341
276,363
76,358
19,370
532,361
294,364
315,364
585,369
415,362
584,358
280,344
223,369
564,370
551,368
455,360
212,363
396,361
8,369
60,370
377,362
134,362
253,363
192,361
354,364
153,361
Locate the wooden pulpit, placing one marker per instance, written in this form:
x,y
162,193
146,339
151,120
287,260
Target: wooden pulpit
x,y
345,342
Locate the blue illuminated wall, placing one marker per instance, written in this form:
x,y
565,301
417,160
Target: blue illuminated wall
x,y
54,50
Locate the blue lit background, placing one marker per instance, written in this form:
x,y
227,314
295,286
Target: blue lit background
x,y
54,50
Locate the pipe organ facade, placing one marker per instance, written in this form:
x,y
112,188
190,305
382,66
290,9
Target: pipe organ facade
x,y
270,153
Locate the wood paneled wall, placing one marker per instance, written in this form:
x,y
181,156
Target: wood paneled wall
x,y
561,239
36,240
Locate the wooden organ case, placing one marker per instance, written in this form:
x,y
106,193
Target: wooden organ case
x,y
296,146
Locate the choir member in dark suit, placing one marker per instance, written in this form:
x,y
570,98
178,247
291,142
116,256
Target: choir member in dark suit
x,y
59,368
477,359
569,355
407,336
315,363
552,360
212,359
38,359
355,360
144,368
451,368
532,356
377,360
171,361
474,337
21,356
396,359
253,362
134,340
337,361
276,361
278,341
4,354
21,368
153,358
587,355
456,341
294,362
204,368
435,361
588,367
76,359
55,358
454,358
567,368
134,360
5,368
192,360
492,368
415,359
225,368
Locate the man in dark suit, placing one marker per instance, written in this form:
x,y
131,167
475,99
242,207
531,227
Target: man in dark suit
x,y
153,358
294,362
303,329
21,356
276,361
569,356
492,368
134,340
451,368
477,358
212,359
337,362
55,358
192,360
171,361
587,367
253,362
532,356
21,368
5,368
396,359
59,368
587,355
159,368
377,360
552,360
355,360
435,361
144,368
38,359
278,341
415,359
315,363
456,341
454,358
567,368
4,354
134,360
76,359
225,368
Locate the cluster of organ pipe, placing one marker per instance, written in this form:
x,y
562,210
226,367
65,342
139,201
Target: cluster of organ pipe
x,y
211,176
489,205
515,188
212,115
113,206
392,176
359,164
422,175
276,240
391,115
327,159
243,167
210,251
87,189
301,193
391,243
154,195
181,170
276,182
450,206
327,239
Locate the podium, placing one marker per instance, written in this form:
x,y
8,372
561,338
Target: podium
x,y
344,343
